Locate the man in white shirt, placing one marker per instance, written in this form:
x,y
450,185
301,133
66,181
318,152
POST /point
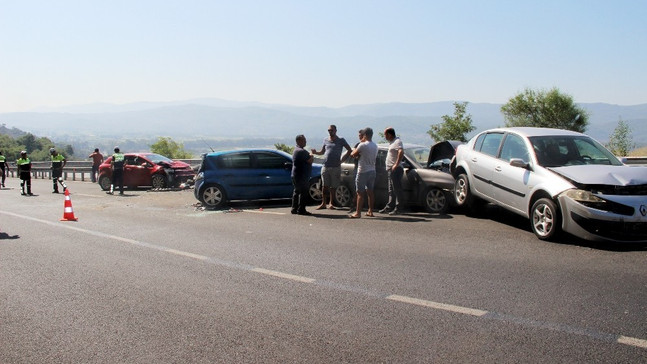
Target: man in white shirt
x,y
394,172
366,151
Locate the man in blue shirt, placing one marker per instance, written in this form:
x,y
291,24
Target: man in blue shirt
x,y
332,148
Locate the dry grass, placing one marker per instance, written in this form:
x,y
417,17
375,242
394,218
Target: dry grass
x,y
640,152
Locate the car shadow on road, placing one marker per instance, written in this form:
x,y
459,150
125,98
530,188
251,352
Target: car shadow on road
x,y
503,216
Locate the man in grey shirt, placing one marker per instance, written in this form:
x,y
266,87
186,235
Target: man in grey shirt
x,y
332,148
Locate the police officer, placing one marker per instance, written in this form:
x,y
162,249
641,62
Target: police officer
x,y
117,165
58,162
3,166
24,172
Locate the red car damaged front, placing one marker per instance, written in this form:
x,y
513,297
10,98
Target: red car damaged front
x,y
148,169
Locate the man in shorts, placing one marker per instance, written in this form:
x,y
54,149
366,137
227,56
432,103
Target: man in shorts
x,y
366,152
332,148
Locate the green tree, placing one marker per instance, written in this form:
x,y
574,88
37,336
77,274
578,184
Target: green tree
x,y
621,142
285,148
169,148
29,142
453,127
546,109
9,147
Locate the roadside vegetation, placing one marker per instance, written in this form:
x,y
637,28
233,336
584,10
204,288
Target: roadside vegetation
x,y
37,148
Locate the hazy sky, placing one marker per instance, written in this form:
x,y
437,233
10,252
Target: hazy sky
x,y
319,53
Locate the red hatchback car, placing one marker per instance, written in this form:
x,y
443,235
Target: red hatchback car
x,y
147,169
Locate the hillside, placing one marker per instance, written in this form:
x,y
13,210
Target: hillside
x,y
212,121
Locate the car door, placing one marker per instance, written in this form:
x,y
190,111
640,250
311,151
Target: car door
x,y
273,172
137,171
381,189
511,184
482,162
236,176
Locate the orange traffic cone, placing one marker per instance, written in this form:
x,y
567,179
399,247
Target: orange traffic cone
x,y
68,212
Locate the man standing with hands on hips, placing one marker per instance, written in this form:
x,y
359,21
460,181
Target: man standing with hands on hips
x,y
394,172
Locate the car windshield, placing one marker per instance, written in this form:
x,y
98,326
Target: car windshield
x,y
419,155
560,151
156,158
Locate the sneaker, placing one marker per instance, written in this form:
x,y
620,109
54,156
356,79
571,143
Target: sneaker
x,y
395,212
385,210
55,191
304,213
293,212
110,193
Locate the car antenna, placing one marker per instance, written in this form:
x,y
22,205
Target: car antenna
x,y
207,145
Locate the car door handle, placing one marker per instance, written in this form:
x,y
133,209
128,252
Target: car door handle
x,y
498,168
474,159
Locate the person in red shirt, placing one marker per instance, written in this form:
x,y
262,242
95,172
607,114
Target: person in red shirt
x,y
97,159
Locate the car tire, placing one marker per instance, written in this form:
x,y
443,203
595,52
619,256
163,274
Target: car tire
x,y
104,182
343,196
213,196
435,201
158,181
545,219
314,190
462,194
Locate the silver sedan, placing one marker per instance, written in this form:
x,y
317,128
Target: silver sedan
x,y
560,180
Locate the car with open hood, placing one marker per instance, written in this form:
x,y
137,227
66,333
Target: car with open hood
x,y
560,180
249,174
426,180
148,169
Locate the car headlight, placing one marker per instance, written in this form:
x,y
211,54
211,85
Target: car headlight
x,y
583,196
588,199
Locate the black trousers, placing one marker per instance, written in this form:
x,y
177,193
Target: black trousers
x,y
300,195
118,179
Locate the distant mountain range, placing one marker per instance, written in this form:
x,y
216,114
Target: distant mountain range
x,y
219,122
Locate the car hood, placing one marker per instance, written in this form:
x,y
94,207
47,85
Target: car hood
x,y
442,150
603,175
178,165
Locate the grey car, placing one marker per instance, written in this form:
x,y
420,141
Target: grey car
x,y
426,183
560,180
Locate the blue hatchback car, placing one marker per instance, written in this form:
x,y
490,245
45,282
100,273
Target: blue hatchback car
x,y
249,174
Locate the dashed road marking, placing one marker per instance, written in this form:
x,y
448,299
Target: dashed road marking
x,y
482,314
291,277
438,305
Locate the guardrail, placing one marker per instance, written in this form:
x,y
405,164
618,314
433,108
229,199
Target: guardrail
x,y
72,169
634,161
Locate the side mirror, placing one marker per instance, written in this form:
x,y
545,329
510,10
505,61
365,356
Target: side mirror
x,y
517,162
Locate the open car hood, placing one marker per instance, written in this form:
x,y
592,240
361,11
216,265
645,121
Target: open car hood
x,y
603,175
442,150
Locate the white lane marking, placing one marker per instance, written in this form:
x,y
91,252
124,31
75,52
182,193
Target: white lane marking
x,y
291,277
632,341
620,339
438,305
186,254
265,212
85,195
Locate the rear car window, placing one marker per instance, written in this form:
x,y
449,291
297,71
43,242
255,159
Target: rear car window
x,y
235,161
491,143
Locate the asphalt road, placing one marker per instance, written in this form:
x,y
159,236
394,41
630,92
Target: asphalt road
x,y
150,278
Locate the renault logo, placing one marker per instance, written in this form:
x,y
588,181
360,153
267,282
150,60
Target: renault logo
x,y
643,210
